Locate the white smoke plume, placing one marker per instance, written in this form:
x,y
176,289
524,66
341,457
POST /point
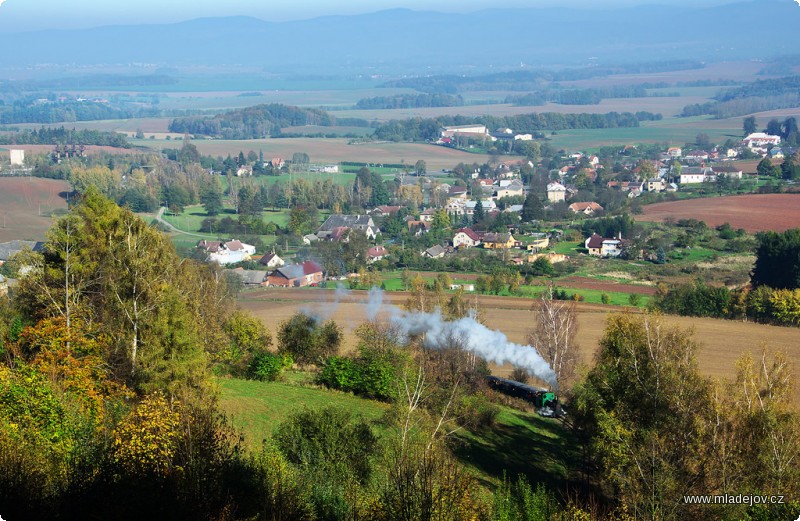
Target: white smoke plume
x,y
324,311
468,334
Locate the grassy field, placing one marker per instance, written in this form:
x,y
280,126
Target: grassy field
x,y
518,443
258,407
28,206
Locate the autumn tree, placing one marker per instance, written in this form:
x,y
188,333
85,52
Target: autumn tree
x,y
643,399
554,334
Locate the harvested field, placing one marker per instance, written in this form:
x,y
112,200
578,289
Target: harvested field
x,y
335,151
777,212
26,205
722,341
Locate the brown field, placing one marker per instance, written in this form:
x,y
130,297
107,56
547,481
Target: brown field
x,y
26,204
721,341
336,150
777,212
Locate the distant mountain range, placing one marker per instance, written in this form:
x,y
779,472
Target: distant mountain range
x,y
401,40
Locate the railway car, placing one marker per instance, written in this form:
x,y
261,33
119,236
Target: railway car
x,y
546,402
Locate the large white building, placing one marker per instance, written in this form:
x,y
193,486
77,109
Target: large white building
x,y
477,131
760,140
17,157
556,192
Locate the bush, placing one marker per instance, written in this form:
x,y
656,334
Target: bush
x,y
267,367
477,412
341,373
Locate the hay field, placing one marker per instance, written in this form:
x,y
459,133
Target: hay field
x,y
26,205
334,151
777,212
722,341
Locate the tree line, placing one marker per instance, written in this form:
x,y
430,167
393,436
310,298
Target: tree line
x,y
255,122
64,136
410,101
419,129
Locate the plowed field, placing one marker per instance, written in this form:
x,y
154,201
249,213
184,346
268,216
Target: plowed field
x,y
26,205
754,213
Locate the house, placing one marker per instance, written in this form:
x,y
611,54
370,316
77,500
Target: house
x,y
457,192
277,163
674,152
296,275
655,184
249,277
427,215
466,238
731,172
697,156
760,140
586,208
335,226
776,153
11,248
514,188
602,247
695,174
229,252
376,253
309,238
434,252
271,260
417,228
498,241
244,171
488,205
556,192
456,207
385,211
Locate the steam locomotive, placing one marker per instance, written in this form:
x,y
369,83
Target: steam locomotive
x,y
545,402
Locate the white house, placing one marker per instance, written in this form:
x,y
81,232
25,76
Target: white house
x,y
556,192
696,174
466,238
229,252
514,188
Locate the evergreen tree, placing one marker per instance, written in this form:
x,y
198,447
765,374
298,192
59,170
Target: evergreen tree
x,y
533,208
479,214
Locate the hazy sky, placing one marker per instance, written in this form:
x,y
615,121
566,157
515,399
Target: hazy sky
x,y
20,15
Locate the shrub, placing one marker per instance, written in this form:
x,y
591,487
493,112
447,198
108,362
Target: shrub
x,y
267,367
341,373
477,412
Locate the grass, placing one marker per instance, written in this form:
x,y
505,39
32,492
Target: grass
x,y
518,443
256,408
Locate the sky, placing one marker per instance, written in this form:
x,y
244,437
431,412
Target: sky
x,y
24,15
